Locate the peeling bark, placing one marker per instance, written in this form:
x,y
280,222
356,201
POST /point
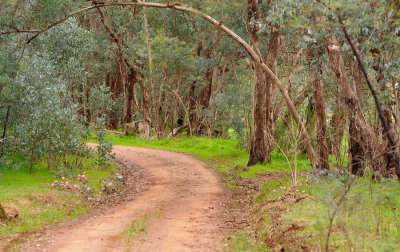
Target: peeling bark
x,y
357,155
369,141
319,102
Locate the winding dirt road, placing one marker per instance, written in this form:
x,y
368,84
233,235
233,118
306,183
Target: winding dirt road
x,y
181,211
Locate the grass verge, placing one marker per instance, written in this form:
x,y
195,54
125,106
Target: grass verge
x,y
35,202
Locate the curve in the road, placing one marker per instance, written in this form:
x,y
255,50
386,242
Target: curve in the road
x,y
183,210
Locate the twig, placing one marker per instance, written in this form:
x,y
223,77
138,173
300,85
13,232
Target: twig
x,y
19,31
346,191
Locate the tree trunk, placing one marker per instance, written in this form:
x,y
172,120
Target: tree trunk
x,y
31,161
131,103
271,62
337,126
3,137
319,102
258,149
193,117
117,88
368,138
357,155
389,158
145,101
390,162
153,92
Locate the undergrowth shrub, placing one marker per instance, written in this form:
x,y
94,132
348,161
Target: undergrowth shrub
x,y
358,214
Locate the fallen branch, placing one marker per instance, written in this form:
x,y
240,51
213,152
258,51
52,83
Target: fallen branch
x,y
106,130
176,131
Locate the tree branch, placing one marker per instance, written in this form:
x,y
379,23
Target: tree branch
x,y
18,31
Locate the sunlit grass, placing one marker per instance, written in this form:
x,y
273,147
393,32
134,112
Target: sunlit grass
x,y
222,154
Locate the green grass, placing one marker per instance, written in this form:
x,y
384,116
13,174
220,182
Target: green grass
x,y
36,203
137,227
222,154
367,220
239,242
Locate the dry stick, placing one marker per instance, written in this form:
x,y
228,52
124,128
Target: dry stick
x,y
287,160
18,31
346,191
374,94
5,130
346,234
256,58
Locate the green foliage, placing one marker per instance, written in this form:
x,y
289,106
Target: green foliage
x,y
42,122
100,101
103,151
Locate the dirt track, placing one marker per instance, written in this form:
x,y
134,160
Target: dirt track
x,y
183,209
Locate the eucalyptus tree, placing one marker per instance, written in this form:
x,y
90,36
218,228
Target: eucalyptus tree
x,y
295,47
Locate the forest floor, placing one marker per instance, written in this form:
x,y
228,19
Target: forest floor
x,y
182,210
